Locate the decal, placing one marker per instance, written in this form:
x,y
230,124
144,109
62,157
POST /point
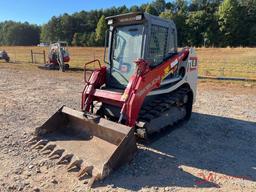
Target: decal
x,y
170,68
124,96
192,63
149,86
166,71
174,63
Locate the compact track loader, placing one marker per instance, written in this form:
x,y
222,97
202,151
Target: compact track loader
x,y
145,86
58,57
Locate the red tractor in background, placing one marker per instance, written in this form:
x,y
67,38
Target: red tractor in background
x,y
58,57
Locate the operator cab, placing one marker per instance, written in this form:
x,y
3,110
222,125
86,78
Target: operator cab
x,y
133,36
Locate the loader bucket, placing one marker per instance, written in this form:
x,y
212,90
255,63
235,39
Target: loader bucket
x,y
93,145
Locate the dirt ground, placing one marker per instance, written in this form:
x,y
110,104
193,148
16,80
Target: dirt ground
x,y
214,151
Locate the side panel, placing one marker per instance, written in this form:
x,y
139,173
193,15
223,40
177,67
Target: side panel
x,y
192,71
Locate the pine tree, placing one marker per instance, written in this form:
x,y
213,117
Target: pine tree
x,y
100,31
151,10
134,8
230,22
159,5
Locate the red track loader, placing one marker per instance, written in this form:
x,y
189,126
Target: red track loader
x,y
145,86
58,57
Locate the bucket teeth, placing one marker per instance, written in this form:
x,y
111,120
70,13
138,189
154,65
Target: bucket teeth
x,y
56,152
40,144
91,182
49,147
85,169
65,157
74,163
32,141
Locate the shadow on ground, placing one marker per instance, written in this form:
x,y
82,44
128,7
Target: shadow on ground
x,y
216,144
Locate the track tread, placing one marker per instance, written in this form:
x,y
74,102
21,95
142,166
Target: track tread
x,y
156,108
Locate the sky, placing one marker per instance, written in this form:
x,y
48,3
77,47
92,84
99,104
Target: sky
x,y
40,11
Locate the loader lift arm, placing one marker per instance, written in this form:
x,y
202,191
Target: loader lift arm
x,y
140,84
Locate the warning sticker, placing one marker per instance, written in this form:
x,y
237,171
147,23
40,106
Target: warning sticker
x,y
174,63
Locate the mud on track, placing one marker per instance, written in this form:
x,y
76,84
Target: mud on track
x,y
215,151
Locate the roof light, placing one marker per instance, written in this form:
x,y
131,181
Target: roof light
x,y
138,17
110,22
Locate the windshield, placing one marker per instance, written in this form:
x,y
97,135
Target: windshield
x,y
127,43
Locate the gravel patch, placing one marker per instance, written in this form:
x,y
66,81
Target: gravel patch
x,y
214,151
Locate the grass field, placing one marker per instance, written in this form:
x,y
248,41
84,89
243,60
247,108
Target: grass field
x,y
227,62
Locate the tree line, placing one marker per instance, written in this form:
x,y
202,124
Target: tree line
x,y
16,33
217,23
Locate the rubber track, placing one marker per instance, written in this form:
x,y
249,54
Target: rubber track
x,y
160,105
